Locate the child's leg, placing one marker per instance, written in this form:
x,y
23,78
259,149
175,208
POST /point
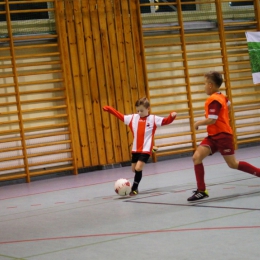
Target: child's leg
x,y
240,165
138,168
200,153
246,167
138,162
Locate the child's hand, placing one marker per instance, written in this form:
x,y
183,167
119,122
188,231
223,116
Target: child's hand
x,y
196,126
155,149
173,114
105,108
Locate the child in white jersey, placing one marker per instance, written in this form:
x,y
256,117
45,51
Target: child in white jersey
x,y
143,126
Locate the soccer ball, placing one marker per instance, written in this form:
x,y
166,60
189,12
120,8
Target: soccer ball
x,y
122,187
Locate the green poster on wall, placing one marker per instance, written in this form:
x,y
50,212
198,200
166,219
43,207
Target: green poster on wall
x,y
253,42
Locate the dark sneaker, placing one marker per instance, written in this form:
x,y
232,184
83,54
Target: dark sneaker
x,y
133,193
198,195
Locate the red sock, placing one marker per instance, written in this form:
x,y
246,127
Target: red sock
x,y
246,167
199,172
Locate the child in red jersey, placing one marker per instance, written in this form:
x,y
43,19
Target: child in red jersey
x,y
220,135
143,126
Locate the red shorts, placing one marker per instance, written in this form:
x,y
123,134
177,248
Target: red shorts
x,y
221,142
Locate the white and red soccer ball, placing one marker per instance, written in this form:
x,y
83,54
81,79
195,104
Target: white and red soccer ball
x,y
122,187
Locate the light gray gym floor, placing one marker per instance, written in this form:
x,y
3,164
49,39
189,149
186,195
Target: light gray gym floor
x,y
81,217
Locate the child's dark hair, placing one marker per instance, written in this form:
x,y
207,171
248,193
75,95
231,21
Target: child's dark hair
x,y
215,77
142,101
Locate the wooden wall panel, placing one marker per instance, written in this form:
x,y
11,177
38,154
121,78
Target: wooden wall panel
x,y
130,55
93,83
136,26
114,144
123,71
121,148
86,89
103,98
77,82
107,68
61,21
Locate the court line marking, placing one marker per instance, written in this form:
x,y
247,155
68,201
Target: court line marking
x,y
200,203
192,205
49,210
152,192
129,236
208,185
11,257
97,183
129,233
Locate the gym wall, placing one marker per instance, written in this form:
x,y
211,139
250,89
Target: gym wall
x,y
58,71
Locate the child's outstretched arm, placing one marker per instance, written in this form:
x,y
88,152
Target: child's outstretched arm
x,y
169,119
114,112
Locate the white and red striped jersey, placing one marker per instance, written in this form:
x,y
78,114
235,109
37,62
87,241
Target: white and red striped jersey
x,y
143,128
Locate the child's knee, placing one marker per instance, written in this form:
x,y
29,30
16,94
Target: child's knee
x,y
232,165
138,168
196,158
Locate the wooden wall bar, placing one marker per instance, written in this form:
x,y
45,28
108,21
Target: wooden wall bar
x,y
35,127
245,95
56,74
180,48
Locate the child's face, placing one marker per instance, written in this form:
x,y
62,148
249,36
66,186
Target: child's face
x,y
208,87
142,111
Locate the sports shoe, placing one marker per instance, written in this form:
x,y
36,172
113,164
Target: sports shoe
x,y
198,195
133,193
